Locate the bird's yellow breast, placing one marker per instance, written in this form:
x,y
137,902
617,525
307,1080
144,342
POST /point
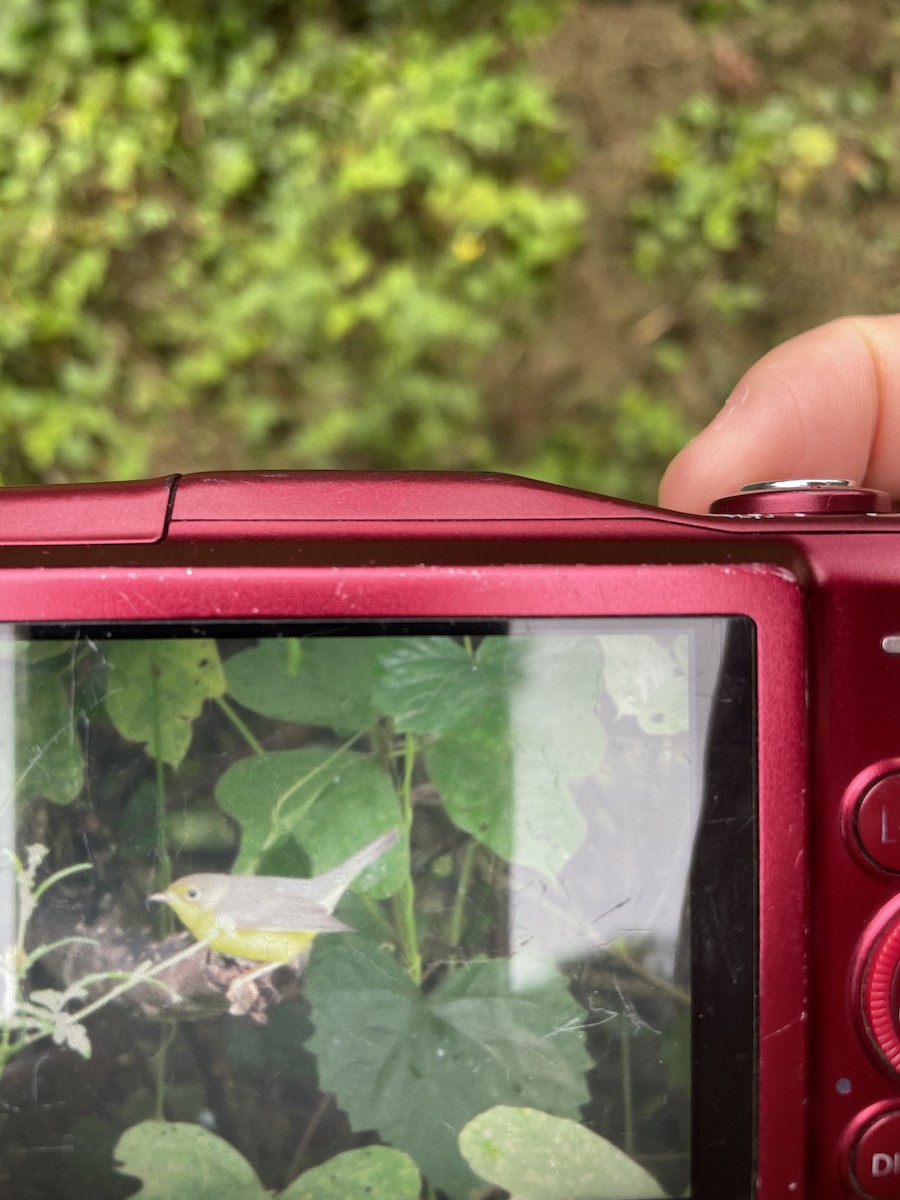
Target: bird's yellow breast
x,y
259,945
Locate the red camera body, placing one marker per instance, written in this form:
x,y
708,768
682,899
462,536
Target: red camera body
x,y
812,894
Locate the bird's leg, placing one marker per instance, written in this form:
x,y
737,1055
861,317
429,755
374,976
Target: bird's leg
x,y
241,993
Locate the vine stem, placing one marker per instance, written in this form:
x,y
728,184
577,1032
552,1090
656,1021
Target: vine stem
x,y
299,813
163,859
159,1068
627,1090
679,994
454,934
241,726
136,977
405,900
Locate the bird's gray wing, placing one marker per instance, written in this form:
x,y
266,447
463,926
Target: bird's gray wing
x,y
276,905
327,889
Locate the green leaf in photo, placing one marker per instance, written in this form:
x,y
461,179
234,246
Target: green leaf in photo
x,y
49,757
514,790
523,811
417,1067
648,680
536,1156
313,681
175,1159
372,1173
330,803
157,688
40,649
435,685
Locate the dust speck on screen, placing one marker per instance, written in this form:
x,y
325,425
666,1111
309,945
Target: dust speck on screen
x,y
402,910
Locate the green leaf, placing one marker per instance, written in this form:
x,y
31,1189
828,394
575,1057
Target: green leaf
x,y
49,758
174,1159
312,681
514,792
520,807
373,1173
330,803
535,1156
158,687
648,679
434,685
417,1067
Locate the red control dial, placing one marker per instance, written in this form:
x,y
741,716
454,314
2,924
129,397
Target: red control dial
x,y
881,993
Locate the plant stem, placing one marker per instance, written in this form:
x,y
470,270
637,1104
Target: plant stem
x,y
136,977
159,1068
622,953
627,1092
454,934
405,900
297,814
240,725
163,861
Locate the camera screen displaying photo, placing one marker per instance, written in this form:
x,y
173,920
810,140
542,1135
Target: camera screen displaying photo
x,y
402,910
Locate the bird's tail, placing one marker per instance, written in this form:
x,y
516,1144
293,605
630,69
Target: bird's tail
x,y
335,882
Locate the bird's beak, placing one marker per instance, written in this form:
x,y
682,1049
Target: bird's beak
x,y
158,898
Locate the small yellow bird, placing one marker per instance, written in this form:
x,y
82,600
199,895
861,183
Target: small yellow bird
x,y
266,918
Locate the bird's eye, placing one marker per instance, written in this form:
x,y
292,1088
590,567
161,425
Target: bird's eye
x,y
192,893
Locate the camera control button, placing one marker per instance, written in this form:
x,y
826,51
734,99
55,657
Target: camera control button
x,y
878,822
875,1158
881,995
803,498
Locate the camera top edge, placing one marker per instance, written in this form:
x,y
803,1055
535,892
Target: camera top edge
x,y
227,504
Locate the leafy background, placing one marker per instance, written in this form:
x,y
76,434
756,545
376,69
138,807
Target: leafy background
x,y
538,235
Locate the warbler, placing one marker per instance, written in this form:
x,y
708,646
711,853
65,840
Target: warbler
x,y
267,918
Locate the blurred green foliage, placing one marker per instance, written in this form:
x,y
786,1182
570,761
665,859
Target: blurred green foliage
x,y
305,224
723,175
618,449
727,178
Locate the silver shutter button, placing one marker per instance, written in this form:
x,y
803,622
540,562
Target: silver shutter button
x,y
803,498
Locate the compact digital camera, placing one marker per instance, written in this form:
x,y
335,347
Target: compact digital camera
x,y
636,932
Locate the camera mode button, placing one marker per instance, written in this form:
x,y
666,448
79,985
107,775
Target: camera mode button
x,y
875,1159
878,822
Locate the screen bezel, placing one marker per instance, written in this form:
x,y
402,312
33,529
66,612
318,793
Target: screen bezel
x,y
771,599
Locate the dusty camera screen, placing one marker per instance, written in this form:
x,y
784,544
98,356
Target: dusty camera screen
x,y
399,912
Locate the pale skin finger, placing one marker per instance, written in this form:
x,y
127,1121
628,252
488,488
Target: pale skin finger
x,y
825,404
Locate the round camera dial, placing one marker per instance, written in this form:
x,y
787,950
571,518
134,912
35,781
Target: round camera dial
x,y
879,990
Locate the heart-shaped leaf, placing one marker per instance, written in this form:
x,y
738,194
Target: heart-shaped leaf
x,y
157,688
435,685
313,681
175,1159
372,1173
536,1156
329,804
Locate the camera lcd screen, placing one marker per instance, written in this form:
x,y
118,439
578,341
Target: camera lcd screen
x,y
521,961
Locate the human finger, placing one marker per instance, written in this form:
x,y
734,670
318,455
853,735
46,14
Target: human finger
x,y
825,404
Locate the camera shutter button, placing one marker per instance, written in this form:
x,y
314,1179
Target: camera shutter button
x,y
802,497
